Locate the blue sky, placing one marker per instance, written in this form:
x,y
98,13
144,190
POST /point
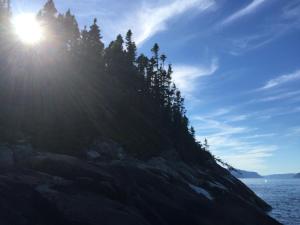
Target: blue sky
x,y
237,63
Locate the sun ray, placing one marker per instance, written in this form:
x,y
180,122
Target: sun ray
x,y
28,28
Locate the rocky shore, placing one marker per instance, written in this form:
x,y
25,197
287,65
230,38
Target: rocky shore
x,y
46,189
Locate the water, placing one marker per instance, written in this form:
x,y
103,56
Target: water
x,y
282,194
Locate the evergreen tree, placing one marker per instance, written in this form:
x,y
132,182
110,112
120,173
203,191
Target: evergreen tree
x,y
115,56
5,25
5,12
150,77
96,46
49,11
156,75
168,90
142,63
155,51
71,31
192,131
68,106
53,23
206,145
130,47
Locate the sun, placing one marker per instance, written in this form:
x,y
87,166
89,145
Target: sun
x,y
28,28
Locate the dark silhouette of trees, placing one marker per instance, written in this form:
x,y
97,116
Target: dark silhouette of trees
x,y
95,45
74,90
71,32
130,48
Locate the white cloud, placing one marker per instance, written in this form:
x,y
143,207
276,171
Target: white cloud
x,y
292,11
234,144
280,96
252,42
150,20
281,80
244,11
294,131
219,112
253,160
255,136
217,128
185,76
237,118
267,31
272,113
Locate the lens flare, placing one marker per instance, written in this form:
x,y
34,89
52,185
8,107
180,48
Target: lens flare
x,y
28,28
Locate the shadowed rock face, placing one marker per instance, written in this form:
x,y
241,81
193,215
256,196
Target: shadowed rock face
x,y
48,189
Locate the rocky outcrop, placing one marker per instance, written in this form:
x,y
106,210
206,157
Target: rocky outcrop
x,y
105,150
58,189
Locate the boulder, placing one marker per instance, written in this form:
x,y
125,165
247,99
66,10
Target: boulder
x,y
105,150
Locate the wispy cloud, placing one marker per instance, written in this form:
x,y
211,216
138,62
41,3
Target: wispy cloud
x,y
185,76
271,113
280,80
294,131
238,118
254,159
274,95
217,128
292,10
252,42
269,30
219,112
148,21
235,144
280,96
250,8
255,136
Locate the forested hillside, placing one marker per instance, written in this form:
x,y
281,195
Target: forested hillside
x,y
70,90
93,134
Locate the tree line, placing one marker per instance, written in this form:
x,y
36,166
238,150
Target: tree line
x,y
70,90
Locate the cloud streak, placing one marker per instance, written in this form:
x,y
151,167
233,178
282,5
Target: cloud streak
x,y
185,76
243,12
148,21
280,80
287,20
237,145
254,159
280,96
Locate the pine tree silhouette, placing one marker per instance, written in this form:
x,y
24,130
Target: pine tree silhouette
x,y
76,91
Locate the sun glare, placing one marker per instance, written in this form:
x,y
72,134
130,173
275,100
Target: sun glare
x,y
28,28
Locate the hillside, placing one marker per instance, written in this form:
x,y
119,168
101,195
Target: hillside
x,y
250,174
280,176
93,134
63,95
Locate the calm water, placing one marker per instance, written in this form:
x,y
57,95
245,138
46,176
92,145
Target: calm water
x,y
282,194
